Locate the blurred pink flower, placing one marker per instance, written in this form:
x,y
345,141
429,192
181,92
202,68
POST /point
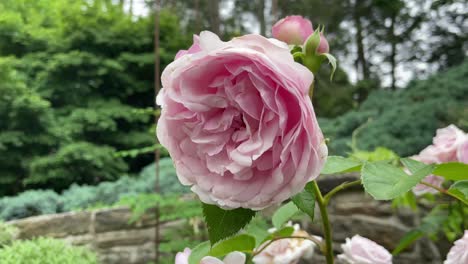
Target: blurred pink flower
x,y
231,258
446,143
462,151
182,257
293,30
458,254
360,250
287,251
238,122
427,157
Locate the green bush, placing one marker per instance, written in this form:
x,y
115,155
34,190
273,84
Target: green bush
x,y
404,121
45,251
30,203
8,233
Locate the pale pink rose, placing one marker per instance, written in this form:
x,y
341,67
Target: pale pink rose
x,y
446,143
231,258
360,250
287,251
427,157
182,257
238,122
193,49
462,151
458,254
293,30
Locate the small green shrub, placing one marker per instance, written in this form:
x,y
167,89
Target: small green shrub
x,y
30,203
45,251
8,233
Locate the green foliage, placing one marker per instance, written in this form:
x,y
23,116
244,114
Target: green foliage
x,y
386,182
404,121
225,223
305,200
199,252
8,233
241,243
45,251
76,86
452,171
283,214
337,164
30,203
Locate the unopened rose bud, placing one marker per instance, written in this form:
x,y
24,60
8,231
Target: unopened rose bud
x,y
323,46
293,30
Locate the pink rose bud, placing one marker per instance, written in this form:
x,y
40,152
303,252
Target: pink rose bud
x,y
323,46
361,250
446,143
293,30
458,254
183,257
238,123
462,151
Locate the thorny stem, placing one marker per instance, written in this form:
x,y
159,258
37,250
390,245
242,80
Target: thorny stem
x,y
326,223
444,191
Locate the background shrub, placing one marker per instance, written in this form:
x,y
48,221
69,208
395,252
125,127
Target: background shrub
x,y
403,121
45,251
30,203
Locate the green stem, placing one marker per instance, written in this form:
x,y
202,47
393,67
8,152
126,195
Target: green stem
x,y
444,191
338,188
326,223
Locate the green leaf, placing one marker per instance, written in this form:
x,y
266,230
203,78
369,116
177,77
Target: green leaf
x,y
199,252
412,165
305,200
312,43
243,243
385,182
460,189
332,61
452,171
407,240
225,223
337,164
283,214
283,232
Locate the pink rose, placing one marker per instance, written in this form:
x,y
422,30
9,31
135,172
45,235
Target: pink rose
x,y
360,250
458,254
446,143
323,45
238,122
462,151
287,251
231,258
426,156
182,257
293,30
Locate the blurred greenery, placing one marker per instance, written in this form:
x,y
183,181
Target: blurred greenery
x,y
45,251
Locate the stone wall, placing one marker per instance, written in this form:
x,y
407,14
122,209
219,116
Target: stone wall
x,y
109,233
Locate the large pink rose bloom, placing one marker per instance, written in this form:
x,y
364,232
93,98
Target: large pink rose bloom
x,y
360,250
238,123
293,30
446,143
458,254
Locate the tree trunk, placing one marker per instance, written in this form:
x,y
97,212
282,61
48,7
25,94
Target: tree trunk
x,y
261,16
393,42
214,16
361,62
